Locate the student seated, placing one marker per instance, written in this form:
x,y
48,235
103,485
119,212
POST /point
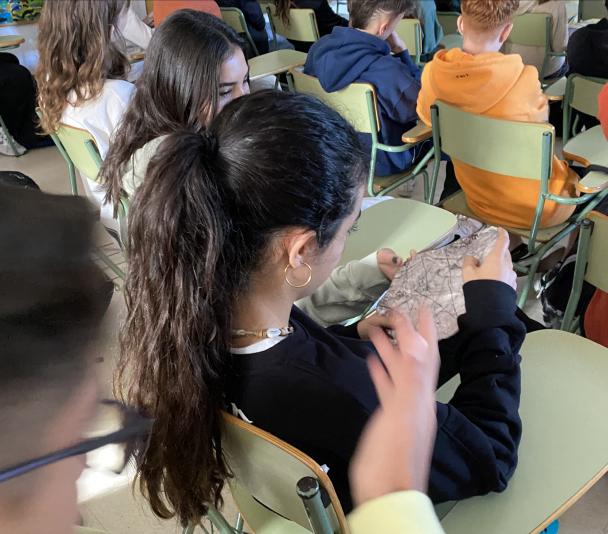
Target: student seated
x,y
81,75
327,18
535,55
50,396
254,18
195,65
479,79
363,53
588,49
224,238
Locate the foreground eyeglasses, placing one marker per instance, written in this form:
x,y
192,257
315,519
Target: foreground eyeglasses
x,y
131,428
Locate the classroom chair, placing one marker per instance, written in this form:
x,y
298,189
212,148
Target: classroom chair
x,y
78,149
590,146
448,20
277,488
563,446
591,9
357,103
511,148
410,31
301,26
164,8
590,266
535,29
234,17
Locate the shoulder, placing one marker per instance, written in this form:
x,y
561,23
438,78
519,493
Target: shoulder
x,y
118,90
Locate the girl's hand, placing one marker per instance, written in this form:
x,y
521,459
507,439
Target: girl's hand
x,y
389,262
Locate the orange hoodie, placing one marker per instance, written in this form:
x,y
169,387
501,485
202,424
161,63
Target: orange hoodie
x,y
501,86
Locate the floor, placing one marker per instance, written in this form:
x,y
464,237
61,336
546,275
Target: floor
x,y
109,503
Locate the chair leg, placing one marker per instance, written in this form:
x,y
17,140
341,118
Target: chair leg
x,y
521,302
110,264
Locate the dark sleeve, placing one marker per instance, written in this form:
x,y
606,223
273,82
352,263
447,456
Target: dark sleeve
x,y
399,98
253,15
480,429
345,331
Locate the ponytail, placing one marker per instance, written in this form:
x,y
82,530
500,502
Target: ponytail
x,y
174,340
200,225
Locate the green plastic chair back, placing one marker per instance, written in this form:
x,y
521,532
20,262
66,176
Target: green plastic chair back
x,y
448,20
591,9
352,102
80,147
512,148
302,24
266,474
531,29
410,32
591,258
581,94
234,17
597,259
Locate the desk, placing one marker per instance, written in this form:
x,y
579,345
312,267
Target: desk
x,y
401,224
275,62
8,42
588,147
564,447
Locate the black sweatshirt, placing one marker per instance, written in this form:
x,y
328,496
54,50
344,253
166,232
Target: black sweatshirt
x,y
314,391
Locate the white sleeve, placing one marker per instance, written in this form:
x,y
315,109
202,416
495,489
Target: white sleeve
x,y
133,28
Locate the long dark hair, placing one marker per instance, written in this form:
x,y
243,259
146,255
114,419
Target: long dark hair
x,y
178,88
199,226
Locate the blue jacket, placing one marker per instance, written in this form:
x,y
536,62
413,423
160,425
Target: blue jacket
x,y
348,55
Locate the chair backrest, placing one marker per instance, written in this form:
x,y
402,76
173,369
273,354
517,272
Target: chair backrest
x,y
79,145
512,148
582,93
302,24
411,33
532,29
266,472
448,20
356,103
164,8
591,9
597,259
234,17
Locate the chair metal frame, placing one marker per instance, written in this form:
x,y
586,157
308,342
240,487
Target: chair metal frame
x,y
536,249
525,37
234,17
374,127
588,266
122,208
572,103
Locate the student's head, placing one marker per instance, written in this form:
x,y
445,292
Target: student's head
x,y
194,66
486,24
76,54
51,305
378,17
273,184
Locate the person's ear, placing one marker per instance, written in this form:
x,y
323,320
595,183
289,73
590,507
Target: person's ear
x,y
300,246
504,34
460,25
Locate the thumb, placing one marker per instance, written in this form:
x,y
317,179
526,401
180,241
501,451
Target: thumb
x,y
470,262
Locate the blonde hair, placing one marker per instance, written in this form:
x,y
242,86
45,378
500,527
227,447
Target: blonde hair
x,y
489,15
76,54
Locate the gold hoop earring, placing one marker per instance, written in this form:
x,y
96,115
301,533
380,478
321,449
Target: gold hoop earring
x,y
299,285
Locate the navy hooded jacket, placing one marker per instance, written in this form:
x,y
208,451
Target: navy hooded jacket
x,y
349,55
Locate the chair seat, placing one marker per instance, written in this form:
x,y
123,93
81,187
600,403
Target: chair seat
x,y
457,204
588,147
555,91
275,62
383,182
402,224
